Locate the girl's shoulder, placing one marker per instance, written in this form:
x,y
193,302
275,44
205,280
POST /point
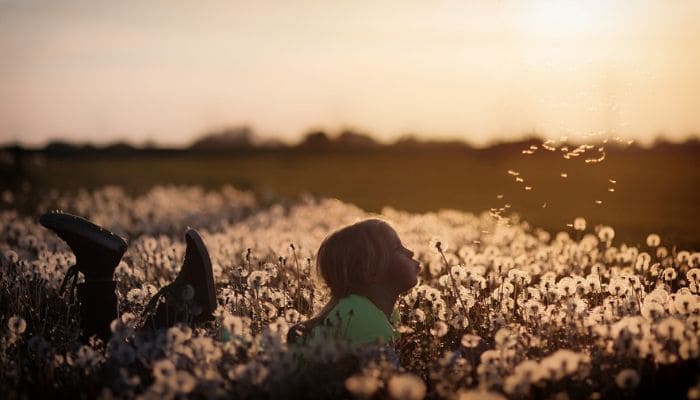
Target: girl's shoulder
x,y
356,318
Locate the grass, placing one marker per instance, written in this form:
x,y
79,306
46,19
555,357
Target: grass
x,y
655,191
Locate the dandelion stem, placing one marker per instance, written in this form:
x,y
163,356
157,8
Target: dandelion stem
x,y
438,245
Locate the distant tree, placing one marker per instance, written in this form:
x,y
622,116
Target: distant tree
x,y
351,139
119,147
239,137
60,146
316,140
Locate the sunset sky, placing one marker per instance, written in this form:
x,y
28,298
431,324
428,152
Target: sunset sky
x,y
480,70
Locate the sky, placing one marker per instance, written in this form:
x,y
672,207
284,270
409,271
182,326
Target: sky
x,y
167,71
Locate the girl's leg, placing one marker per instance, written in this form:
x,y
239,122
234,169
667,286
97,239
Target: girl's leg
x,y
98,307
192,296
97,254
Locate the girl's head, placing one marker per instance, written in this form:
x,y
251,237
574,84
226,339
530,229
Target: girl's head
x,y
365,253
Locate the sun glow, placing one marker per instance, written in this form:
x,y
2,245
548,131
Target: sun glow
x,y
564,19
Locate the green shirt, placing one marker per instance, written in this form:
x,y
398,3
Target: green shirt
x,y
357,319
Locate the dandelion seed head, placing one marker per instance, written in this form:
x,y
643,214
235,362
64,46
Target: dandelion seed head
x,y
406,387
16,325
362,386
627,379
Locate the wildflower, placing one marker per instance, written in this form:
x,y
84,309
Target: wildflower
x,y
406,387
671,328
182,382
362,386
669,274
683,257
439,329
459,273
435,267
439,245
689,349
652,310
567,286
257,279
292,316
606,234
580,224
505,338
17,325
470,341
86,356
459,321
684,303
653,240
528,370
419,315
279,327
463,394
136,295
617,287
627,379
163,370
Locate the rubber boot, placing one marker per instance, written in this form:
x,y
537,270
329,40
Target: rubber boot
x,y
191,298
98,307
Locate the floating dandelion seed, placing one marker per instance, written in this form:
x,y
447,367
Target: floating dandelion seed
x,y
613,181
499,196
599,201
564,175
514,173
528,187
611,189
544,205
519,179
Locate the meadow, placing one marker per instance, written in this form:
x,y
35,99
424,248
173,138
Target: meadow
x,y
502,309
638,191
558,274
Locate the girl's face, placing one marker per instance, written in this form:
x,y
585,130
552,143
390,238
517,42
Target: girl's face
x,y
401,272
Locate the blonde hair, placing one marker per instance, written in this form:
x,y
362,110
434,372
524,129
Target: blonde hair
x,y
349,256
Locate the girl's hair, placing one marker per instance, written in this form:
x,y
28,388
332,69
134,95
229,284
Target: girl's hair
x,y
347,258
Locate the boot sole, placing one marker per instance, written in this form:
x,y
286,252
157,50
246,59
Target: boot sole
x,y
197,241
61,222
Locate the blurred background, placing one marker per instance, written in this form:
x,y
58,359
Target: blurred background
x,y
550,109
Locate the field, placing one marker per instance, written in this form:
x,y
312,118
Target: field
x,y
503,308
655,190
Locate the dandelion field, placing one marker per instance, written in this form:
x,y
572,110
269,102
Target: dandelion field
x,y
506,311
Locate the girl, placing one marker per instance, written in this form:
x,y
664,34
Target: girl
x,y
366,268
